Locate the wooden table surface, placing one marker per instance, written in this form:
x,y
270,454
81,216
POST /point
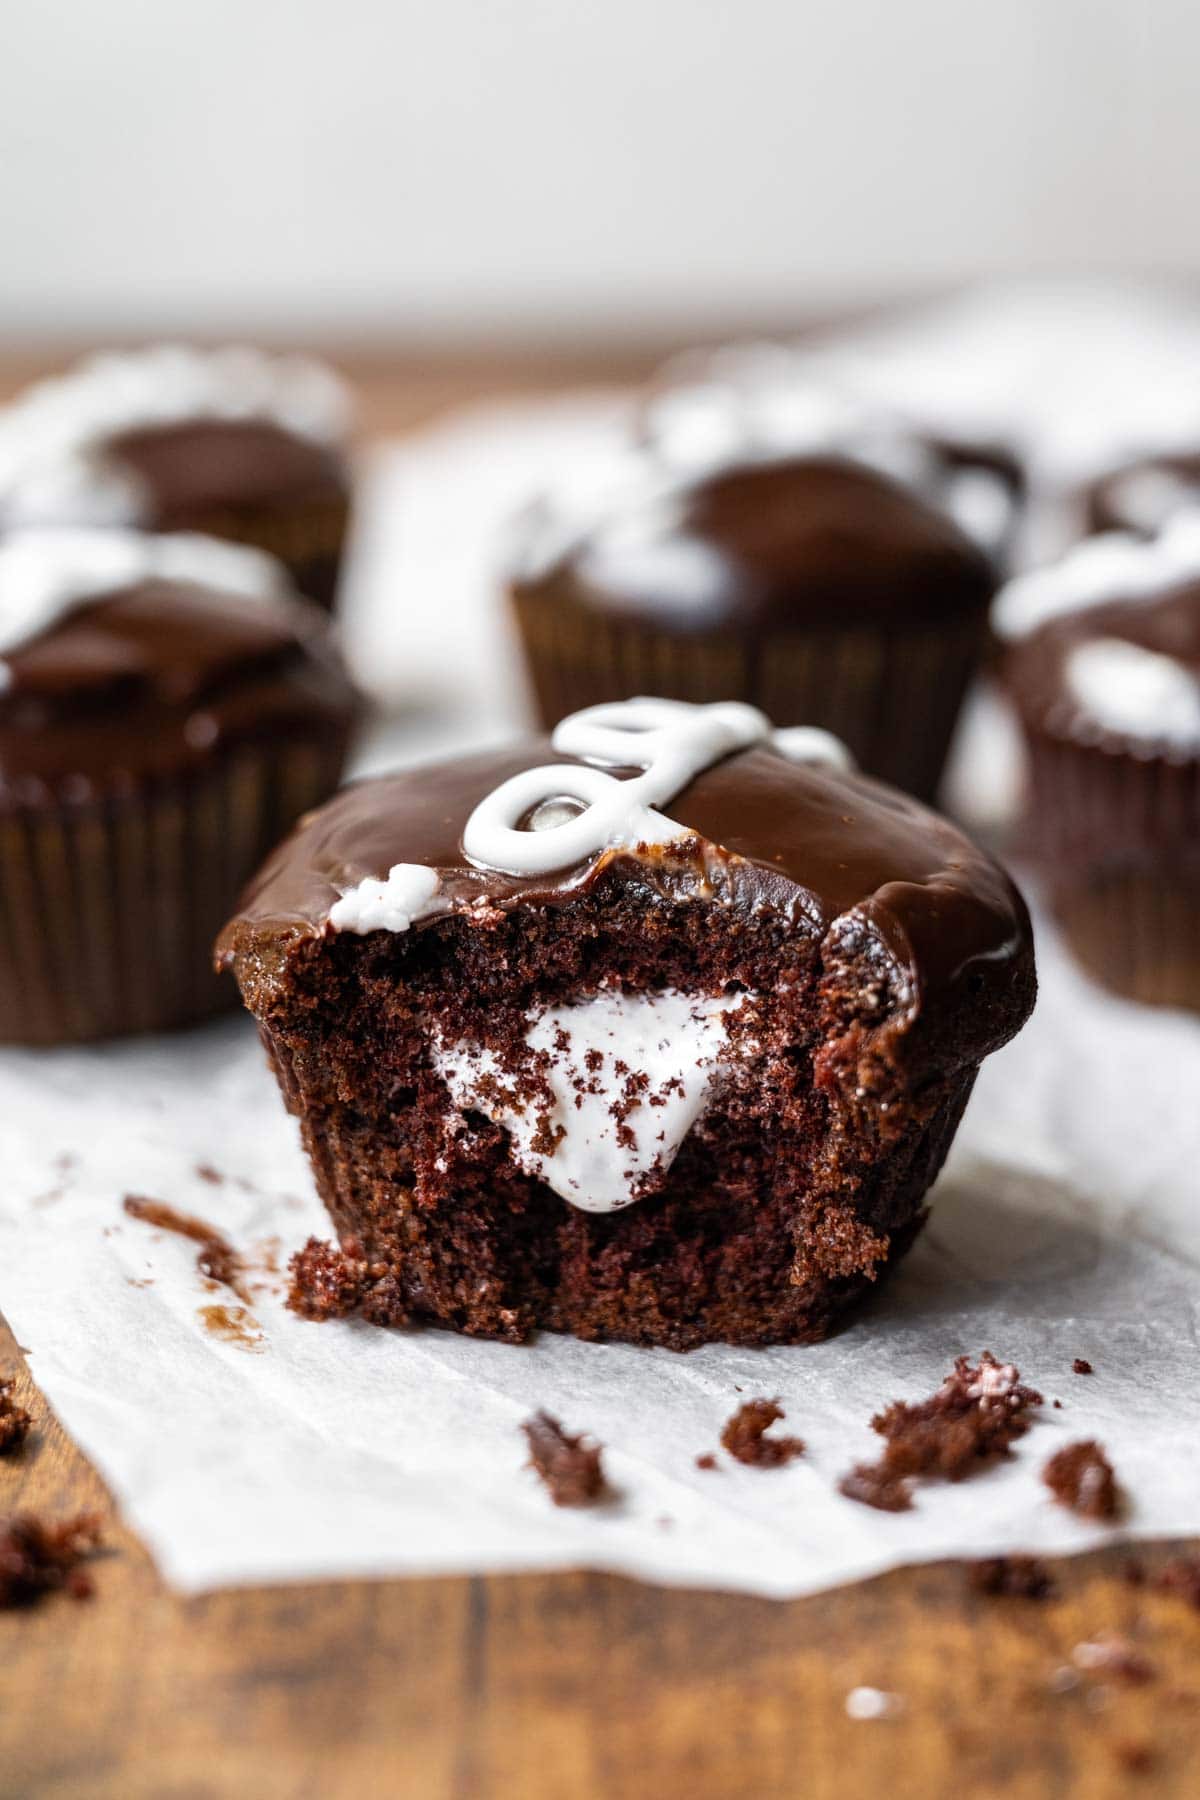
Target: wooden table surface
x,y
570,1687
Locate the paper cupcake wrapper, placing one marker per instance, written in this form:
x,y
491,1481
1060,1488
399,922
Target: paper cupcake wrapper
x,y
893,696
109,909
1117,838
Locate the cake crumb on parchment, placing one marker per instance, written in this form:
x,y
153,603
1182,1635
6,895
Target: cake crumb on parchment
x,y
970,1423
745,1436
569,1465
1081,1478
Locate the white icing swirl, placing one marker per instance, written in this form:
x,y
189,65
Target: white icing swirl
x,y
555,816
46,574
1112,566
1135,693
53,438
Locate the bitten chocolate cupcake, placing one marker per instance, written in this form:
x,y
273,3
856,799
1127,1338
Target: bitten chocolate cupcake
x,y
168,708
811,585
1104,670
231,444
670,1057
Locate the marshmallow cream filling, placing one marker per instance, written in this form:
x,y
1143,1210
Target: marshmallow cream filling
x,y
620,1081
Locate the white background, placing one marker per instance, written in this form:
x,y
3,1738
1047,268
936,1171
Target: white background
x,y
427,168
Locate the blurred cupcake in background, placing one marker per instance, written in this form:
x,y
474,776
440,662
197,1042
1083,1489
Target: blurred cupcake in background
x,y
810,566
1103,668
761,399
168,708
229,443
1142,494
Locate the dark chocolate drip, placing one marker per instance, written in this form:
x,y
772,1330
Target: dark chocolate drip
x,y
838,857
814,539
208,465
157,674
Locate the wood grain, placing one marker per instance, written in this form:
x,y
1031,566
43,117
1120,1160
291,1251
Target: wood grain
x,y
538,1688
554,1688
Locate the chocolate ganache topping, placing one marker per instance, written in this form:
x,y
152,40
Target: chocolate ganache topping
x,y
160,436
123,655
815,539
762,821
1105,644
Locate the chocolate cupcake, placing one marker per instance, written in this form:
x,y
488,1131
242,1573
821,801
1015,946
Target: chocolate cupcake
x,y
1104,671
814,586
670,1058
168,708
760,400
1143,494
231,444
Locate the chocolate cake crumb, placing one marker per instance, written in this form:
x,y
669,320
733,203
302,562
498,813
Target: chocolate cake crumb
x,y
14,1421
707,1461
1081,1478
970,1423
38,1559
871,1484
1114,1656
206,1172
744,1436
1135,1758
325,1283
1081,1366
1013,1577
569,1466
1181,1577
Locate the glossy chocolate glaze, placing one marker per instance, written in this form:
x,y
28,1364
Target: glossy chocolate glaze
x,y
210,465
154,677
1037,665
818,541
842,859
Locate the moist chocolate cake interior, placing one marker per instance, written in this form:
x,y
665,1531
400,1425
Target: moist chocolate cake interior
x,y
773,1193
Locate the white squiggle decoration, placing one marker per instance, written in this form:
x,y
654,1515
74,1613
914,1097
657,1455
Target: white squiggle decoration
x,y
1113,566
573,813
670,741
53,469
44,575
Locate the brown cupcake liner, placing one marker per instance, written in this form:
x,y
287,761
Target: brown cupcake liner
x,y
893,696
109,908
308,538
1117,838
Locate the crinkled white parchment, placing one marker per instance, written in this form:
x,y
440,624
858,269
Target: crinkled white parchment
x,y
1066,1225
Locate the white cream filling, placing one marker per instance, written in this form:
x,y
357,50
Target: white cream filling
x,y
1135,692
45,574
53,438
627,1075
